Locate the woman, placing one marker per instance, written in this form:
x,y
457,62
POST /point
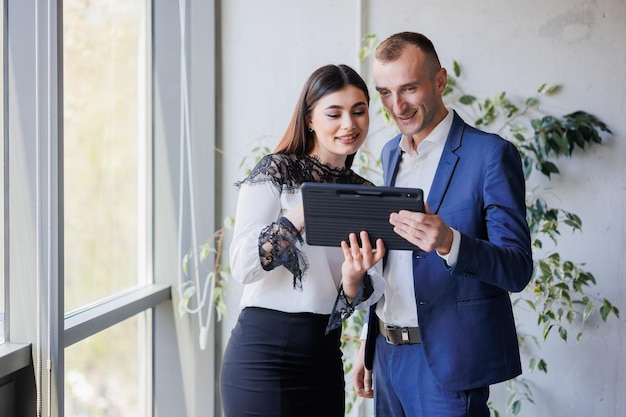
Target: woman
x,y
284,356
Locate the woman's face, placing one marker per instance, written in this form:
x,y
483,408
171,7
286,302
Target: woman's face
x,y
340,122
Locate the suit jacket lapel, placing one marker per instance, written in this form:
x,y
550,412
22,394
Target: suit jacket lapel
x,y
446,166
393,160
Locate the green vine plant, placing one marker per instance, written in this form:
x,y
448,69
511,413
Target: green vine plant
x,y
560,293
209,257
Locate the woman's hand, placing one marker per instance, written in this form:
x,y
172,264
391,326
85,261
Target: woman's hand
x,y
358,260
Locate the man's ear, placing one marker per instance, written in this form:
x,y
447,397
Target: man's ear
x,y
441,79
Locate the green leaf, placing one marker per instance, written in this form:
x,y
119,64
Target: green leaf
x,y
563,333
519,137
546,330
182,308
467,100
553,89
542,366
531,101
457,68
189,292
547,168
608,308
184,263
588,310
229,222
517,407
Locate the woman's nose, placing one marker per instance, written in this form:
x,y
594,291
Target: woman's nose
x,y
348,123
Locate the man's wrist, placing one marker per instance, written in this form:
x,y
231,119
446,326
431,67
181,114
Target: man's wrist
x,y
444,249
453,254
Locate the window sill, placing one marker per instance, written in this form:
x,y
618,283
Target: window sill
x,y
14,357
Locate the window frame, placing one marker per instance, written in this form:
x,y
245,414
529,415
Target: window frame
x,y
170,373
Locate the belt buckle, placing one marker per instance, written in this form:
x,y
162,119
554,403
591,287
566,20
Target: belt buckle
x,y
388,329
405,335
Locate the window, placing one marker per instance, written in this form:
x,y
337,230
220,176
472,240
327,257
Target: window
x,y
86,163
104,148
105,195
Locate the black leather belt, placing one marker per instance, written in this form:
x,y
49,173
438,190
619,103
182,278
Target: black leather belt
x,y
400,335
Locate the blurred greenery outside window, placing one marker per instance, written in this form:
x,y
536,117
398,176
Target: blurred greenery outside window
x,y
105,194
101,378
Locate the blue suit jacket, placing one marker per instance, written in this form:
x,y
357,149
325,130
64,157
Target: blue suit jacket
x,y
465,314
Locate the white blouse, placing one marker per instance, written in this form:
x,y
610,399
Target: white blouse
x,y
263,198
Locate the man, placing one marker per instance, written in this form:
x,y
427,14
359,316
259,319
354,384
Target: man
x,y
444,330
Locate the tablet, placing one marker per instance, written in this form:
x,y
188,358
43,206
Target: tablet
x,y
333,211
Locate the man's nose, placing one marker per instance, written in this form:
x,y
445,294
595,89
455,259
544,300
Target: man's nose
x,y
397,104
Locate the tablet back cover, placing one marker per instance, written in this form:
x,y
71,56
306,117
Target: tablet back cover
x,y
333,211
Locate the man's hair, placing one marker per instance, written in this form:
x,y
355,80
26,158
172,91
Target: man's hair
x,y
391,48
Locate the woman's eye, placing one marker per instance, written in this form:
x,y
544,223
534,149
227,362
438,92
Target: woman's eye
x,y
333,115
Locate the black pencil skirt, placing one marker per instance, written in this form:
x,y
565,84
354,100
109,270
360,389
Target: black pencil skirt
x,y
280,364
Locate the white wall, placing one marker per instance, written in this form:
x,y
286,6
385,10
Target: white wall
x,y
269,48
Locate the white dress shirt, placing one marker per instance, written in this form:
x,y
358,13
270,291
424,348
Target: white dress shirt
x,y
417,170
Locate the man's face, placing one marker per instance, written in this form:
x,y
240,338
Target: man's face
x,y
410,92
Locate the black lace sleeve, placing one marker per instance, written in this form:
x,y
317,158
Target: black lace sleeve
x,y
344,309
277,246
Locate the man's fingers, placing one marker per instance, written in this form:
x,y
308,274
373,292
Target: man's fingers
x,y
367,384
364,388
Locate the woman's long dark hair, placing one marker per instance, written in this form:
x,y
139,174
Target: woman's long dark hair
x,y
325,80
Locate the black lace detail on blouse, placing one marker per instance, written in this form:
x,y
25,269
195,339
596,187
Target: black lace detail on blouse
x,y
288,172
278,241
277,246
344,309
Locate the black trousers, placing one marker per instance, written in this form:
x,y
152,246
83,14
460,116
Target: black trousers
x,y
280,364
